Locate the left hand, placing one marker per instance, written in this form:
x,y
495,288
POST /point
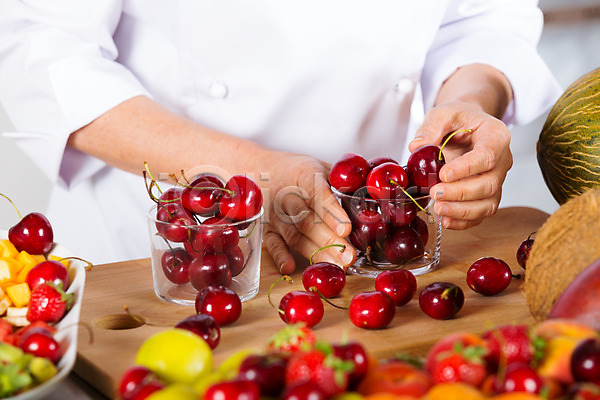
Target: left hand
x,y
476,162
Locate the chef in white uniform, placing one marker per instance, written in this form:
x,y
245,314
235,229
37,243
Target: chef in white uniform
x,y
276,89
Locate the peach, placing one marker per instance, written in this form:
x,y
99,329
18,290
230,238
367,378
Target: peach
x,y
453,391
560,336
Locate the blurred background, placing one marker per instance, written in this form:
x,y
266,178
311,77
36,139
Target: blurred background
x,y
569,44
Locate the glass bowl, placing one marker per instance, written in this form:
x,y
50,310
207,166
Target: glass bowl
x,y
199,255
400,233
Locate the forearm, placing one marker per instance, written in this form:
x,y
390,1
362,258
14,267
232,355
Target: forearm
x,y
480,85
140,130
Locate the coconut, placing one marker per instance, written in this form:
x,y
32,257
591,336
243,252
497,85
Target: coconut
x,y
564,246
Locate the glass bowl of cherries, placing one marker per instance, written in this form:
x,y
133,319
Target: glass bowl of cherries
x,y
206,232
394,225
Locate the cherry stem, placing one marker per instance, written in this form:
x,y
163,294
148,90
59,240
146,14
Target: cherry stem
x,y
393,182
343,247
136,318
517,276
315,290
447,292
251,230
89,264
450,137
283,278
13,204
147,168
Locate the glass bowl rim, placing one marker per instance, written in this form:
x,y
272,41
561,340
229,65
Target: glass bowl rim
x,y
152,212
339,194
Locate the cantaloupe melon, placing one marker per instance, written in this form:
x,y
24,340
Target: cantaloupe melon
x,y
568,149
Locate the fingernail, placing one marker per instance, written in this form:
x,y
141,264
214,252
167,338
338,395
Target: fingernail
x,y
341,230
449,176
281,267
438,195
347,257
445,223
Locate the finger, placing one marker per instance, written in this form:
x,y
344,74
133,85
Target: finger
x,y
284,261
459,224
478,187
488,152
467,210
326,206
306,246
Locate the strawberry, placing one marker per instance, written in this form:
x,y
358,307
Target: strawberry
x,y
320,366
509,344
48,303
292,339
465,366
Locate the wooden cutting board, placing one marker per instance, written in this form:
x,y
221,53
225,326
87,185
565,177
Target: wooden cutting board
x,y
112,287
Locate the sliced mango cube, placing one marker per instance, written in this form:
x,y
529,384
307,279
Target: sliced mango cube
x,y
7,249
25,258
62,260
22,274
19,294
8,268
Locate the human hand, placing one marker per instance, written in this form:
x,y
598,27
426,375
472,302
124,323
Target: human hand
x,y
303,215
477,162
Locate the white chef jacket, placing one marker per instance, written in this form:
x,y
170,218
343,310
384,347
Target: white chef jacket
x,y
315,77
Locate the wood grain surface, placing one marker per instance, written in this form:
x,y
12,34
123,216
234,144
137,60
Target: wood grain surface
x,y
112,287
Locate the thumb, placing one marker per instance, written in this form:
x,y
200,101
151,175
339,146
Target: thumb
x,y
422,137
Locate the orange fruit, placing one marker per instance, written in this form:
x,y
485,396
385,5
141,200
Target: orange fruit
x,y
453,391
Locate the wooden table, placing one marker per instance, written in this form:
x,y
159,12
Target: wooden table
x,y
111,287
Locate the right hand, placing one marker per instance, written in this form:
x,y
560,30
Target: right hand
x,y
302,214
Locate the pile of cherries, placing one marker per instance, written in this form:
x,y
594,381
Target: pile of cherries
x,y
382,200
206,218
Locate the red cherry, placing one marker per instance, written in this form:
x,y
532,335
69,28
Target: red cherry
x,y
521,378
268,370
441,300
421,228
171,196
385,180
144,391
233,390
511,343
175,264
372,310
220,302
356,353
33,234
368,228
357,202
304,390
244,200
214,235
236,260
329,279
48,271
300,306
400,211
42,344
489,276
585,361
173,222
523,252
400,284
349,173
203,325
375,161
202,195
133,379
403,245
423,166
210,270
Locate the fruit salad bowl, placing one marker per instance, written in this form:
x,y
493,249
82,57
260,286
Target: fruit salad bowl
x,y
187,257
399,233
66,329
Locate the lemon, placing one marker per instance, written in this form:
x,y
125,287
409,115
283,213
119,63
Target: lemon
x,y
176,355
231,366
175,391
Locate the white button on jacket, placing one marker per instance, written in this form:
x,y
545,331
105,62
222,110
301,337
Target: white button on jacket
x,y
318,77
